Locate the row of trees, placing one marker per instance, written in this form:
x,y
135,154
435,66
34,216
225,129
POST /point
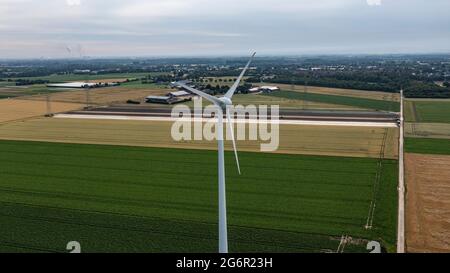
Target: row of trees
x,y
332,82
426,90
165,78
412,88
221,89
21,82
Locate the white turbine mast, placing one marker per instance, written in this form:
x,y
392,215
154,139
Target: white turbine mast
x,y
222,103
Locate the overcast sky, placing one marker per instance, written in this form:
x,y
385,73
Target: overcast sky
x,y
73,28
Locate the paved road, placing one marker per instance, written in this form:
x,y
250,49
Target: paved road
x,y
401,186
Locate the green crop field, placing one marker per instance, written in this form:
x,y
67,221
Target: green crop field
x,y
11,92
364,103
132,199
427,146
437,111
37,89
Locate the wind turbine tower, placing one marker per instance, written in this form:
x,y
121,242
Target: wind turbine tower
x,y
223,104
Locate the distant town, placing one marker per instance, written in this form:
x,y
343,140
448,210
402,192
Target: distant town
x,y
421,76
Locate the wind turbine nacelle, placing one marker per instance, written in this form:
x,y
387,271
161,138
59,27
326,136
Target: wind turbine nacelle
x,y
224,101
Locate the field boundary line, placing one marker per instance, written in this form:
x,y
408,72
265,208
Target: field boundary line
x,y
377,182
414,112
251,121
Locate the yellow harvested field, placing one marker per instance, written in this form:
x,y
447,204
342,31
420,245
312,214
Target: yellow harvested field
x,y
14,109
427,203
376,95
294,139
101,96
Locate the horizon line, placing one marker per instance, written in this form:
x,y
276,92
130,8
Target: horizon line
x,y
212,56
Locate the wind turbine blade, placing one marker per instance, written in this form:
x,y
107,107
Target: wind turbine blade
x,y
233,88
230,128
200,93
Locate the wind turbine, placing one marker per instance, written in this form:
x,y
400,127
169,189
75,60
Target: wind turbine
x,y
222,103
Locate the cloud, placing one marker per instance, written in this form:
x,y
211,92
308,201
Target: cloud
x,y
73,2
186,27
374,2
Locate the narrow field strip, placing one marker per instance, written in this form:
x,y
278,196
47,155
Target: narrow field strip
x,y
427,111
329,211
180,233
293,139
364,103
236,121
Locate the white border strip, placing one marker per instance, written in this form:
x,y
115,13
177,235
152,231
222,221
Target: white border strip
x,y
269,121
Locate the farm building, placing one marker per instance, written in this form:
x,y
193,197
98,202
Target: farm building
x,y
176,85
159,99
166,99
268,89
254,90
264,89
179,94
72,85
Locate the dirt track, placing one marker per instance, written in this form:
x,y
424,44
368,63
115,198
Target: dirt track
x,y
427,203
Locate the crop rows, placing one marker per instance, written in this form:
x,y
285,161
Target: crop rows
x,y
116,198
428,111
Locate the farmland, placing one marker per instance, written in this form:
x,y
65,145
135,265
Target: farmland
x,y
102,96
428,203
432,111
376,95
341,100
14,109
285,103
116,198
427,174
9,90
12,91
294,139
427,130
427,146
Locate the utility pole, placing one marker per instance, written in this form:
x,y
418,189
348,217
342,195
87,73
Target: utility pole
x,y
305,91
49,107
87,97
88,92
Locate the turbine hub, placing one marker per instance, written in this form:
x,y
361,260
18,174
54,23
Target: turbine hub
x,y
225,101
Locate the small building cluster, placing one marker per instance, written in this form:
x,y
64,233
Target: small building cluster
x,y
171,97
82,84
183,95
264,89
